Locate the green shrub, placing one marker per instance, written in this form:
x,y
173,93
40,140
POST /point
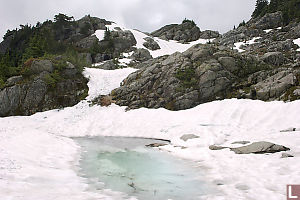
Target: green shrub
x,y
187,77
53,78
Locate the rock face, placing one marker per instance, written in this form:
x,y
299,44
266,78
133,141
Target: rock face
x,y
201,74
270,20
38,94
260,148
185,32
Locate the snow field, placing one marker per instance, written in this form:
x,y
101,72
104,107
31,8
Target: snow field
x,y
38,159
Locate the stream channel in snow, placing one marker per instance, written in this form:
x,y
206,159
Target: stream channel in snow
x,y
125,164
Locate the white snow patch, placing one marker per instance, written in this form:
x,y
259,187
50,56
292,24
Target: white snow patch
x,y
297,42
125,61
102,82
238,45
100,34
126,55
268,30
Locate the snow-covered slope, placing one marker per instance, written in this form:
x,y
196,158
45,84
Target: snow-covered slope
x,y
166,47
38,157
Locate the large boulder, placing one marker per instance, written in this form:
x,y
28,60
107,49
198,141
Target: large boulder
x,y
151,44
39,66
259,148
141,55
273,58
123,40
109,65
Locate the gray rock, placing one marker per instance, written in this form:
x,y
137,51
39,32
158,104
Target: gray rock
x,y
214,147
286,155
274,86
13,80
259,148
39,66
109,65
156,145
185,32
151,44
273,58
296,92
141,55
187,137
88,42
122,40
269,21
289,130
229,63
208,34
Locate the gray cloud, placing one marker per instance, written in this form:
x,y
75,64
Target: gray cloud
x,y
145,15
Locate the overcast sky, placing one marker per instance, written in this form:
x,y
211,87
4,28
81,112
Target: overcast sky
x,y
145,15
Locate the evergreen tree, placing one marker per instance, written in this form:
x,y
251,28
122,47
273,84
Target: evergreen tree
x,y
261,7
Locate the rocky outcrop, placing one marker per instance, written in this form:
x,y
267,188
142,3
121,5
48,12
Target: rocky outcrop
x,y
185,32
208,34
87,42
151,44
259,148
268,21
141,55
205,73
183,80
25,95
274,86
122,40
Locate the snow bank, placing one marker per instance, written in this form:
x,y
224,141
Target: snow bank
x,y
100,34
238,45
37,155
